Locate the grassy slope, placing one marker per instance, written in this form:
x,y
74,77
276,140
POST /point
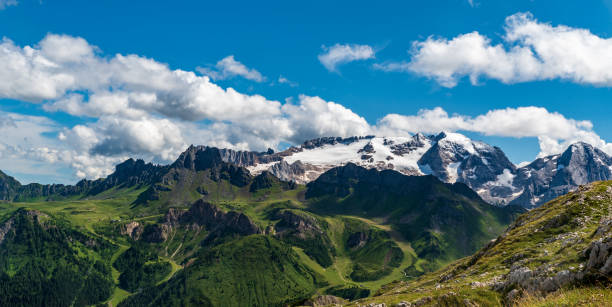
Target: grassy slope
x,y
253,270
37,244
591,297
438,230
112,208
554,234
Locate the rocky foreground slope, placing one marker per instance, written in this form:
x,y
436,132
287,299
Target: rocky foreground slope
x,y
562,245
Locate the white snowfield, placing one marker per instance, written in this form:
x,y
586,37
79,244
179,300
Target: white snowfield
x,y
382,155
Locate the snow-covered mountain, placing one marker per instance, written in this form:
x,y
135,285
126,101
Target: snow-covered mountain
x,y
451,157
547,178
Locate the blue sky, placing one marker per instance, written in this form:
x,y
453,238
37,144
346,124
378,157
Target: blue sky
x,y
286,39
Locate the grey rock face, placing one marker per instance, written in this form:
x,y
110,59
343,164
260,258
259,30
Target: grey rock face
x,y
324,300
132,229
8,187
599,253
302,226
201,214
5,229
418,141
475,163
547,178
287,172
310,144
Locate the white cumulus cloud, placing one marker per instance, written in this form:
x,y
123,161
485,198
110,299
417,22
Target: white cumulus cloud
x,y
344,53
228,67
530,50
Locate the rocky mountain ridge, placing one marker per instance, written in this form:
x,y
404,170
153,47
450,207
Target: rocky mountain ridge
x,y
451,157
127,174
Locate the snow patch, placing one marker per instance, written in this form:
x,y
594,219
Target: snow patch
x,y
259,168
452,170
459,139
523,164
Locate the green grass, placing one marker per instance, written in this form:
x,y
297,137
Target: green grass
x,y
118,296
253,270
566,298
339,273
175,268
537,238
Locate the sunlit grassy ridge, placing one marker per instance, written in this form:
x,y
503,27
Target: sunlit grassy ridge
x,y
548,241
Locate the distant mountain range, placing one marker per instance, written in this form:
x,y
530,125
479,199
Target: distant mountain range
x,y
451,157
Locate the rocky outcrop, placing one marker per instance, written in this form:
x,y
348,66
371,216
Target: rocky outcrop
x,y
300,225
203,157
5,228
319,142
598,263
217,221
201,214
288,172
156,233
418,141
9,187
248,158
262,181
599,252
599,255
130,173
325,300
357,240
132,229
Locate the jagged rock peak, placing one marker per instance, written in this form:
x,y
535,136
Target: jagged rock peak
x,y
199,158
318,142
202,157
